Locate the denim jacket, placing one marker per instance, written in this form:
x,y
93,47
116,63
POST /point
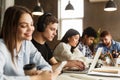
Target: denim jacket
x,y
114,46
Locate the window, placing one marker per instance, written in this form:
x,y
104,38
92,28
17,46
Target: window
x,y
4,4
70,19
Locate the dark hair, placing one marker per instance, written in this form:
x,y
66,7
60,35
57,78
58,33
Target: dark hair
x,y
10,24
104,33
90,32
44,20
68,34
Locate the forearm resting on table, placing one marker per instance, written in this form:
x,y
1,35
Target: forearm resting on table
x,y
44,75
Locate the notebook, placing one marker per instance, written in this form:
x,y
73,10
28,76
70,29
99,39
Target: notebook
x,y
98,52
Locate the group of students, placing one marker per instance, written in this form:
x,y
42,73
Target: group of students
x,y
17,49
21,43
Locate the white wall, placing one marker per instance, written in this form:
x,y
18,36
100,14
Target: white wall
x,y
4,6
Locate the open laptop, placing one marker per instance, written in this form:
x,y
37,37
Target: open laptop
x,y
103,71
92,66
108,71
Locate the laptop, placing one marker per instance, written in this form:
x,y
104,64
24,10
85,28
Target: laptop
x,y
103,71
92,66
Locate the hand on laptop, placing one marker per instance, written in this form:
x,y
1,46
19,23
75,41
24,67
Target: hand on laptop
x,y
76,64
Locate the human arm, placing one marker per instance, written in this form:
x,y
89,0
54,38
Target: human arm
x,y
8,70
117,46
37,58
42,64
69,63
44,75
62,52
54,63
75,63
43,68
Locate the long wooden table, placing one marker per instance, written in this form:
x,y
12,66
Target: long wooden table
x,y
74,76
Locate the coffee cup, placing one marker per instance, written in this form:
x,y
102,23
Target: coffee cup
x,y
30,69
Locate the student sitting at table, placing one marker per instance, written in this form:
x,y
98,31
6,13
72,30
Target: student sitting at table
x,y
16,49
108,44
87,39
46,28
67,48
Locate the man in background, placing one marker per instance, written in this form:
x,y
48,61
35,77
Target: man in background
x,y
108,44
87,39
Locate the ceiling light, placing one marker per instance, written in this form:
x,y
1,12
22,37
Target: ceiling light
x,y
69,6
110,6
38,10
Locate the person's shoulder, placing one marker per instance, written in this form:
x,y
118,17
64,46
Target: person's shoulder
x,y
27,43
46,44
80,43
3,48
116,42
1,40
63,44
33,41
2,43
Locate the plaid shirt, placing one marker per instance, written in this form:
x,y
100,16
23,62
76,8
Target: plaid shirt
x,y
85,50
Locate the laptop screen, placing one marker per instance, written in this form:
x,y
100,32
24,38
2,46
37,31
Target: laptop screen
x,y
97,55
